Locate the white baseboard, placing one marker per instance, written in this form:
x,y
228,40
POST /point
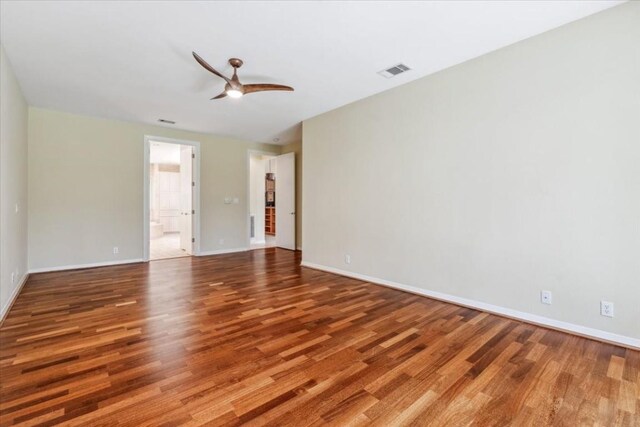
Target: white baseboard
x,y
584,331
12,298
222,251
79,266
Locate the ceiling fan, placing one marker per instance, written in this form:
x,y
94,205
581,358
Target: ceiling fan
x,y
233,88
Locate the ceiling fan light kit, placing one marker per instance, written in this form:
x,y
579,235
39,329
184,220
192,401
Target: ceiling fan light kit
x,y
233,88
234,93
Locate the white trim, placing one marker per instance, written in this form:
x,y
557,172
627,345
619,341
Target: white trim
x,y
90,265
223,251
503,311
12,298
196,192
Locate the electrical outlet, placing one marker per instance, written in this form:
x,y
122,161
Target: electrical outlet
x,y
606,308
116,250
347,259
545,297
13,278
17,208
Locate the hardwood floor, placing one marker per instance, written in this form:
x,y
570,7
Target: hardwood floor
x,y
254,338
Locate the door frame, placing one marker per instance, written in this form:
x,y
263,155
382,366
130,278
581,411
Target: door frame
x,y
251,152
195,192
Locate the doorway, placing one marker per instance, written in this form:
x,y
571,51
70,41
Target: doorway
x,y
271,200
171,195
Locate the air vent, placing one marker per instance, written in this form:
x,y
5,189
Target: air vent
x,y
169,122
394,71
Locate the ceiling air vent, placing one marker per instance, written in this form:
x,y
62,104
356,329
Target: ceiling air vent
x,y
394,71
169,122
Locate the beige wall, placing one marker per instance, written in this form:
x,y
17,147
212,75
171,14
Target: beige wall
x,y
511,173
13,184
296,147
86,189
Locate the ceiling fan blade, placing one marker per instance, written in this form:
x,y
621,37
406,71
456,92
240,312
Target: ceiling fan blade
x,y
261,87
209,67
222,95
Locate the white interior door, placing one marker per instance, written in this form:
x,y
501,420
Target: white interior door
x,y
286,201
186,198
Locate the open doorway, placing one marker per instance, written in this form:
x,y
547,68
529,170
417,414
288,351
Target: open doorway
x,y
271,201
170,196
262,206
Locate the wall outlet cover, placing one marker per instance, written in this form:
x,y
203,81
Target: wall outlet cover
x,y
546,297
606,308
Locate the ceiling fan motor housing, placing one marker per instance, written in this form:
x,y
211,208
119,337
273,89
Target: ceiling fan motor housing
x,y
235,62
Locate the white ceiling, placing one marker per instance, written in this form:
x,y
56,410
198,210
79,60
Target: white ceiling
x,y
132,60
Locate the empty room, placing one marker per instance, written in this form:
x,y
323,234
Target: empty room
x,y
303,213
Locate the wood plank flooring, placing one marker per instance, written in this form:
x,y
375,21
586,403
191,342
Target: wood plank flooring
x,y
253,338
